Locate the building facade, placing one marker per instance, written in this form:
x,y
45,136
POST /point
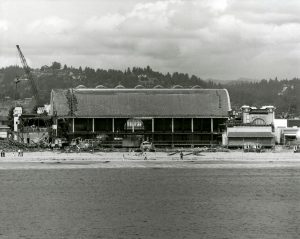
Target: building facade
x,y
165,117
256,127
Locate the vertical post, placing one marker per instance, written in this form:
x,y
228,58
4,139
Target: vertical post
x,y
192,129
93,125
211,130
73,125
152,129
56,122
113,125
153,125
172,132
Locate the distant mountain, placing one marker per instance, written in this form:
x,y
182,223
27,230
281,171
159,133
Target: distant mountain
x,y
227,82
242,79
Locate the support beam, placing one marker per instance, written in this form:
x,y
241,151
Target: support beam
x,y
56,131
172,125
152,125
211,125
73,125
192,125
113,125
93,126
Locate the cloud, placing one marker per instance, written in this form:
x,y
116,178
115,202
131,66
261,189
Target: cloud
x,y
3,26
211,38
105,23
52,25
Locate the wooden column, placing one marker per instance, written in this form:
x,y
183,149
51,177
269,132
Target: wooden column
x,y
56,131
73,125
93,126
172,132
153,125
113,125
192,129
211,130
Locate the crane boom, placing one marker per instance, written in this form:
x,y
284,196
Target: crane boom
x,y
29,75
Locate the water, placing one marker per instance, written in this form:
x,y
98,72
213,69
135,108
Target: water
x,y
150,203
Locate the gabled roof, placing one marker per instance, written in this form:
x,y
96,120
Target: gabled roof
x,y
140,103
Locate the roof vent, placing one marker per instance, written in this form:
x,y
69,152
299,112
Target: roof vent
x,y
100,87
196,87
139,87
119,87
177,87
80,87
158,87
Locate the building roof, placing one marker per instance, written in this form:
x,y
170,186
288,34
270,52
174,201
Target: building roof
x,y
250,135
140,103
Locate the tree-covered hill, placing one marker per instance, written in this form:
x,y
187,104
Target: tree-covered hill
x,y
283,94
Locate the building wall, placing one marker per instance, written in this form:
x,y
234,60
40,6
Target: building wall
x,y
250,114
279,126
239,142
160,131
249,129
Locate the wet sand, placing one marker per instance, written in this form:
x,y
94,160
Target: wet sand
x,y
108,197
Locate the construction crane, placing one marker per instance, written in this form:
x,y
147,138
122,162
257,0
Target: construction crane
x,y
29,76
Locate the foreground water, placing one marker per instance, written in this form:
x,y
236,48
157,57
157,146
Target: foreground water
x,y
150,203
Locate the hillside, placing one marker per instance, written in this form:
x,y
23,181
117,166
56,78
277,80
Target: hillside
x,y
280,93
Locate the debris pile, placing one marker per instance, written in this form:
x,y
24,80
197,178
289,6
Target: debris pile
x,y
9,146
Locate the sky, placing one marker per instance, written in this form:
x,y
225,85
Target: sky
x,y
213,39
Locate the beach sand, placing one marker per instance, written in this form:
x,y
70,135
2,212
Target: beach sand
x,y
236,159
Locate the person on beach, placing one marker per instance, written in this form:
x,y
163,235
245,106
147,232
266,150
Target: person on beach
x,y
19,153
181,155
1,152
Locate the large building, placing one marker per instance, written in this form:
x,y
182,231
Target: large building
x,y
165,117
256,127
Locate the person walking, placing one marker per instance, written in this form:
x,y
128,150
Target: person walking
x,y
181,155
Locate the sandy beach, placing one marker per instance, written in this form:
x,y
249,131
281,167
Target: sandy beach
x,y
236,159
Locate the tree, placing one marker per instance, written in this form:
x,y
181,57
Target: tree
x,y
56,65
10,117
